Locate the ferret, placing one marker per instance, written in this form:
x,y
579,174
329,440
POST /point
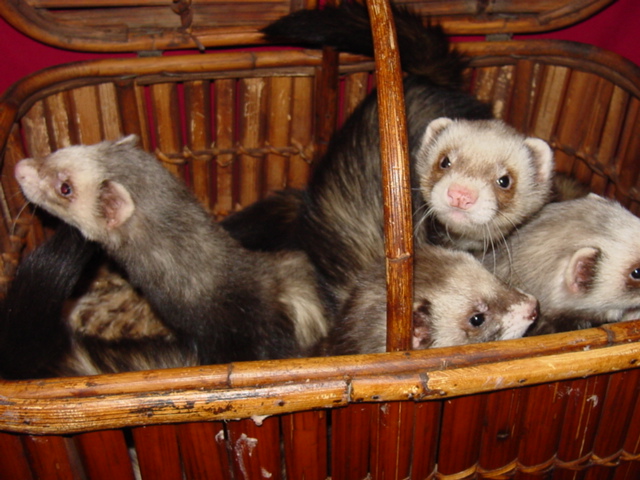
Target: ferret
x,y
230,303
456,302
474,178
33,335
580,258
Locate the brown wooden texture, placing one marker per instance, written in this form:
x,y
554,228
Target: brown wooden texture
x,y
157,452
52,457
14,461
225,121
123,25
197,101
350,437
104,455
396,191
255,448
305,443
203,450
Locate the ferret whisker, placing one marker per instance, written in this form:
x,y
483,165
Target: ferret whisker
x,y
421,215
20,212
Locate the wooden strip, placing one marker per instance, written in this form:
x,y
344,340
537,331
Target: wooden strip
x,y
252,100
619,404
460,435
14,461
350,434
548,107
501,93
111,122
301,132
36,134
426,439
501,436
57,113
255,448
197,100
326,100
356,88
158,453
132,116
525,84
168,127
581,418
396,190
104,455
203,449
68,413
279,117
225,121
542,422
306,437
392,434
612,129
52,458
86,115
484,81
628,169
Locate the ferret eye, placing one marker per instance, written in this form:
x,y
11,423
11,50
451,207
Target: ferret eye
x,y
65,189
477,320
445,162
635,275
504,181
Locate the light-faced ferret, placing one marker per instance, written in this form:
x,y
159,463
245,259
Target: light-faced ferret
x,y
231,303
474,179
580,258
456,302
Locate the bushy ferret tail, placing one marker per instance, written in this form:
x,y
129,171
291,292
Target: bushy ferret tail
x,y
424,49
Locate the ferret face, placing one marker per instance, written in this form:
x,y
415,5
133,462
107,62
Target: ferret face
x,y
469,305
581,256
73,185
482,178
61,184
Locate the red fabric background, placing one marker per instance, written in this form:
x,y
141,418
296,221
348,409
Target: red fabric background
x,y
616,28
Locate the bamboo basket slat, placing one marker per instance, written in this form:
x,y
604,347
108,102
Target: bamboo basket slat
x,y
157,451
236,125
124,26
301,133
305,445
104,455
197,100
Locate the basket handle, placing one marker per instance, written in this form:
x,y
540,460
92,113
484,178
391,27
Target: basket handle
x,y
396,186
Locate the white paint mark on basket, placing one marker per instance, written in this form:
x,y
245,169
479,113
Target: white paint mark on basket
x,y
258,419
266,474
593,399
244,444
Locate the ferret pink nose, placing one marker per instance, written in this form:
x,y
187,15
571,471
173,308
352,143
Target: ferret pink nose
x,y
461,197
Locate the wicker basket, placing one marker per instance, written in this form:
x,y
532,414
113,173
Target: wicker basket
x,y
236,125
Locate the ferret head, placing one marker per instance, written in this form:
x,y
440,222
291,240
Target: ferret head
x,y
481,178
581,256
78,185
463,303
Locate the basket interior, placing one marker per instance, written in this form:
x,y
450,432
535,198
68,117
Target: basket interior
x,y
236,127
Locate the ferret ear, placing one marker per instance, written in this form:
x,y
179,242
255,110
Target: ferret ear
x,y
116,204
543,156
435,128
422,334
581,270
130,140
